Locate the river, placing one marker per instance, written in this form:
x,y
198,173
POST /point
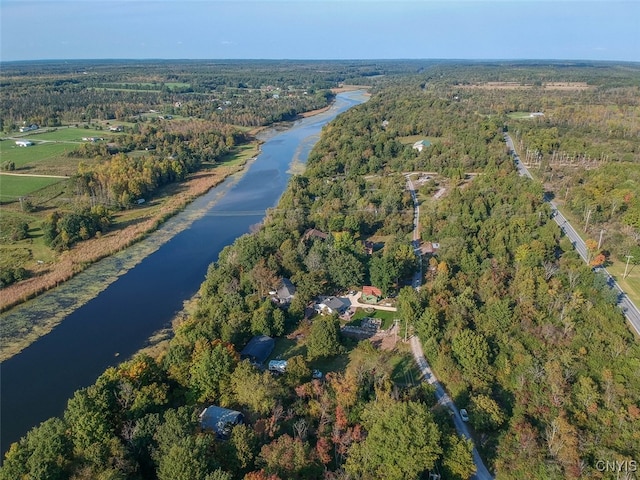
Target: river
x,y
36,383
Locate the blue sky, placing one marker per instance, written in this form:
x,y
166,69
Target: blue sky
x,y
312,29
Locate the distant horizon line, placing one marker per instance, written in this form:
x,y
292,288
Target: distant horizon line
x,y
399,59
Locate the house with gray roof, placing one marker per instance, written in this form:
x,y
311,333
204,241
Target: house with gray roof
x,y
286,292
333,305
258,349
220,420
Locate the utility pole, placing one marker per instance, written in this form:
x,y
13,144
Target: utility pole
x,y
629,257
600,241
406,329
586,223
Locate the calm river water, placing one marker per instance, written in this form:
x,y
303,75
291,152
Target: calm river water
x,y
36,384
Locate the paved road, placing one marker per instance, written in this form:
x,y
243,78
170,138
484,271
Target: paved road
x,y
628,308
443,399
416,281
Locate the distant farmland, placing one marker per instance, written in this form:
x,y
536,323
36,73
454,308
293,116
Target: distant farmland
x,y
30,156
14,186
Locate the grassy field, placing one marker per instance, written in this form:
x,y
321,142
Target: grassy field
x,y
519,115
29,157
411,139
13,186
71,134
386,317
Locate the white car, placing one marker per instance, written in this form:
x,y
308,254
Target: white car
x,y
464,415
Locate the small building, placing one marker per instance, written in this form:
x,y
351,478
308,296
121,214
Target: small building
x,y
23,143
258,349
333,305
421,145
29,128
368,247
116,128
286,292
371,294
220,420
428,248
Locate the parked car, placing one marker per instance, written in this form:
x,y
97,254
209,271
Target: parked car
x,y
464,415
316,374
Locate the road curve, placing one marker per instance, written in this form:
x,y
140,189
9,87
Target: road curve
x,y
628,308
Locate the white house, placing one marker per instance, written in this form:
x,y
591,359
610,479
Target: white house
x,y
333,305
23,143
421,144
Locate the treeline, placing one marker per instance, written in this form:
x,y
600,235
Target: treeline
x,y
523,334
171,152
235,92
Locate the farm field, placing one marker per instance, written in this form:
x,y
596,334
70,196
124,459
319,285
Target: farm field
x,y
70,134
28,158
14,186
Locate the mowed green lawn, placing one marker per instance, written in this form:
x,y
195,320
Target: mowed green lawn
x,y
14,186
71,134
25,156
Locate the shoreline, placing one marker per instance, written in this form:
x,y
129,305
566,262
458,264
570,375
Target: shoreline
x,y
87,254
158,342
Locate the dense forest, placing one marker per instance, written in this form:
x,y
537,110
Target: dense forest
x,y
521,332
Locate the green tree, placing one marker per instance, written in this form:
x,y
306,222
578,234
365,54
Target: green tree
x,y
383,272
183,461
89,418
258,391
211,372
297,371
45,452
409,305
458,457
345,269
485,413
428,325
472,352
402,441
239,453
324,338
